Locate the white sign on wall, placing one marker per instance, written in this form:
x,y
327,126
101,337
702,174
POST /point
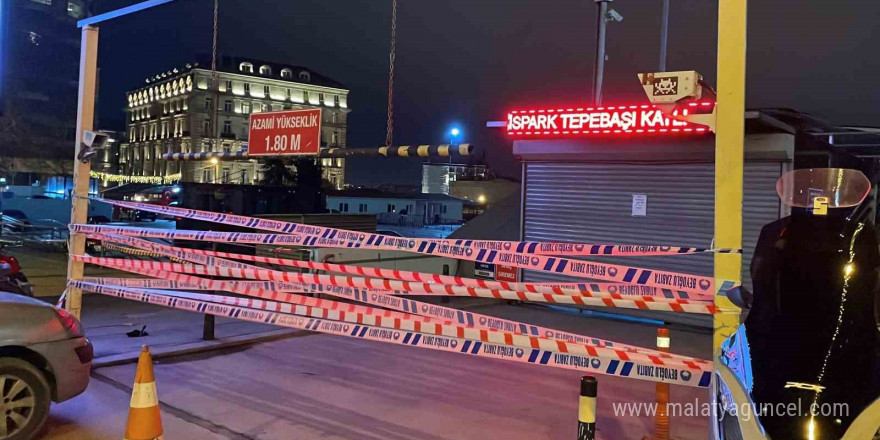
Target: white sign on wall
x,y
640,205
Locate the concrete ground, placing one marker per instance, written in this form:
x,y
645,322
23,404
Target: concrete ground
x,y
328,388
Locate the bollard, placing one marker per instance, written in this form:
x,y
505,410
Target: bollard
x,y
587,408
661,419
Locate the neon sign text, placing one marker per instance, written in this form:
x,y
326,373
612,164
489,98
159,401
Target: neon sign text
x,y
643,119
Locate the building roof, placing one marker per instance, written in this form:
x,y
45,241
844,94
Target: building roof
x,y
232,64
375,194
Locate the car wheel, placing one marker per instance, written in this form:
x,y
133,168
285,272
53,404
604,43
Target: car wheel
x,y
24,400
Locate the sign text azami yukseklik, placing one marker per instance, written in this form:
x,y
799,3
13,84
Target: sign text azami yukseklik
x,y
291,132
639,119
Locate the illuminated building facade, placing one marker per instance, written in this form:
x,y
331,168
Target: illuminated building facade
x,y
183,111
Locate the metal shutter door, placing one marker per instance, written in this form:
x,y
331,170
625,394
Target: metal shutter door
x,y
582,202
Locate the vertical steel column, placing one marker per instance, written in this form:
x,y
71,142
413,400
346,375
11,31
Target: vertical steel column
x,y
729,138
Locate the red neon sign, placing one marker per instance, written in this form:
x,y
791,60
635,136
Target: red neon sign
x,y
613,120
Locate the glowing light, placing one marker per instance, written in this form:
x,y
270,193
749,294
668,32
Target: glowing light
x,y
613,121
849,269
455,132
175,190
214,161
811,429
481,199
138,199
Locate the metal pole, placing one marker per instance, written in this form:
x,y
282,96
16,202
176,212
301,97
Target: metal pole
x,y
85,118
208,323
661,419
664,34
729,138
599,69
587,408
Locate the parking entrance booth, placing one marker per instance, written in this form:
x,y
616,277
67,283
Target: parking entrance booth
x,y
645,189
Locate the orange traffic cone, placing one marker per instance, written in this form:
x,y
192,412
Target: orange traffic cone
x,y
144,420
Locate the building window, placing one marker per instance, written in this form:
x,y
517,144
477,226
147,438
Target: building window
x,y
320,97
334,139
132,136
286,73
206,127
305,76
246,67
227,127
391,208
443,209
225,176
227,106
343,207
335,103
266,91
305,96
265,70
362,207
247,88
228,86
265,108
246,108
207,103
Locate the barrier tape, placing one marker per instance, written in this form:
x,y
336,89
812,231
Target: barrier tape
x,y
212,258
413,323
552,288
524,247
277,291
406,287
589,269
682,375
609,290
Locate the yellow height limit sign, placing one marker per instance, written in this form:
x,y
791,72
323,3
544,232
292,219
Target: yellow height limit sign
x,y
291,132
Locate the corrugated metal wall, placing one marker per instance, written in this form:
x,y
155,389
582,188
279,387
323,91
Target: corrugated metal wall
x,y
592,203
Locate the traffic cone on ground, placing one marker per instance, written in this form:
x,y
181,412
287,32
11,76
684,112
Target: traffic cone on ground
x,y
144,419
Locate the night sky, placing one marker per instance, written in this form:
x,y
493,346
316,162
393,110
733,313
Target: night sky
x,y
468,61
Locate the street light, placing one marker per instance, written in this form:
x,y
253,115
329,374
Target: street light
x,y
455,132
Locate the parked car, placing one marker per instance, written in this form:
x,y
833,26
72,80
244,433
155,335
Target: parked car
x,y
44,357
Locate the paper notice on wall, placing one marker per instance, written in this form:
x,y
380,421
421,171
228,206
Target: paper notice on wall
x,y
640,205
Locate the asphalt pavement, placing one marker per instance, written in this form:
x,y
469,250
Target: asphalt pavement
x,y
331,388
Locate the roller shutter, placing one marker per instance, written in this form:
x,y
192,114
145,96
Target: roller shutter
x,y
592,203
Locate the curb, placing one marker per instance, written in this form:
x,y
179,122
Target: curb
x,y
197,347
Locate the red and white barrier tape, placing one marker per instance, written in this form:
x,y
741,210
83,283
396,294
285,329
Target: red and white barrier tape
x,y
602,271
211,258
524,247
275,291
654,370
403,287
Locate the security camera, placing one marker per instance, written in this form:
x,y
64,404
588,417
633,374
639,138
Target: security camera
x,y
613,15
92,142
